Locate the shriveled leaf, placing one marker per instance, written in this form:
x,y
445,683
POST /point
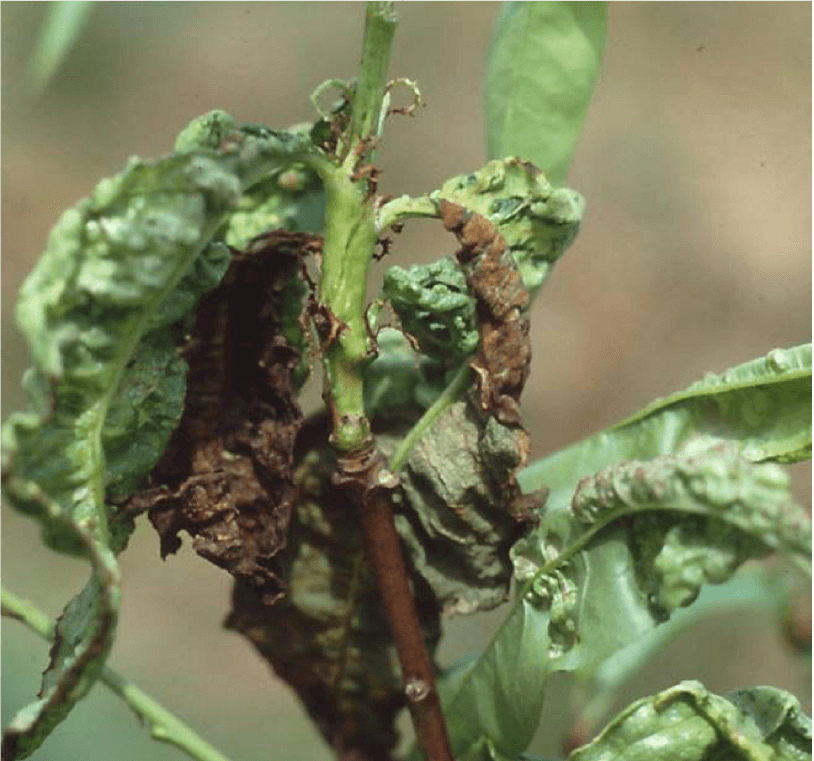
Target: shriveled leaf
x,y
455,522
541,74
63,26
764,405
328,637
226,477
121,264
106,388
537,221
640,540
691,723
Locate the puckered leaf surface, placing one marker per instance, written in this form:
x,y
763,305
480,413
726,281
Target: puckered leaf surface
x,y
538,221
639,540
690,723
764,405
106,389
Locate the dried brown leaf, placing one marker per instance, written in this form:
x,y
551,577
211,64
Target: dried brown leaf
x,y
227,476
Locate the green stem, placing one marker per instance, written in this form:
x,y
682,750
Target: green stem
x,y
164,726
350,239
380,26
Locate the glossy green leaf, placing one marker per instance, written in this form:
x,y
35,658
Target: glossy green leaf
x,y
63,26
541,74
764,405
758,589
690,723
592,579
107,388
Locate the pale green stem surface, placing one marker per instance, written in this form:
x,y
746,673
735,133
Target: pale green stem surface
x,y
350,239
164,726
380,26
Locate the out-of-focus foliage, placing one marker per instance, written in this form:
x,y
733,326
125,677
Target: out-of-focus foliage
x,y
542,70
63,26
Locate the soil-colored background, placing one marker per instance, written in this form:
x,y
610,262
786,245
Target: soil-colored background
x,y
695,255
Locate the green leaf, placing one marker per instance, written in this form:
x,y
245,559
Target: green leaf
x,y
639,540
434,305
690,723
537,221
542,70
63,25
754,589
106,388
764,405
83,638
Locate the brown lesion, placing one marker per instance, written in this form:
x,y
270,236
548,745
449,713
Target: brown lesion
x,y
328,638
226,477
504,355
503,360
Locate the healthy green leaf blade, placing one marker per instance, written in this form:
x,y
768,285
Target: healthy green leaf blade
x,y
638,541
691,723
764,405
541,74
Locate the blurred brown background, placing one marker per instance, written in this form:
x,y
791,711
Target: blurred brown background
x,y
695,255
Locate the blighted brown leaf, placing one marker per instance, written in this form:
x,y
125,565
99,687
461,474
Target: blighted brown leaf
x,y
328,636
504,353
227,476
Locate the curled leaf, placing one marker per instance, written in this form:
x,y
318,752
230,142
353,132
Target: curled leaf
x,y
455,519
537,221
226,477
106,388
763,405
638,540
435,306
689,722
